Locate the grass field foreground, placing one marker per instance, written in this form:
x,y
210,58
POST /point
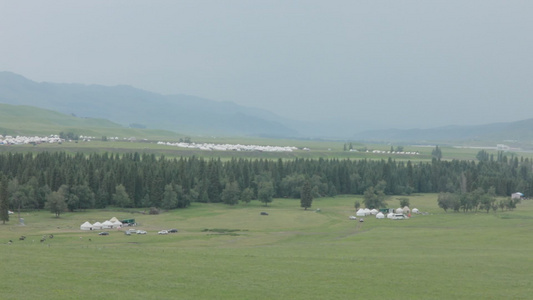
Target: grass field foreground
x,y
223,252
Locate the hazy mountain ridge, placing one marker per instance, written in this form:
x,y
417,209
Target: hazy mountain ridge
x,y
519,131
187,114
126,105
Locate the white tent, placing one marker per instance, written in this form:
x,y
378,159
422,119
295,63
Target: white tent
x,y
390,215
399,210
360,213
107,224
367,211
380,215
415,211
113,220
86,226
406,210
117,224
97,225
374,211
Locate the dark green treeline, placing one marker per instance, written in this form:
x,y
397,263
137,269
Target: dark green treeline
x,y
142,180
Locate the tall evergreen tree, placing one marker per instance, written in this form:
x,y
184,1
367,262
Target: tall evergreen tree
x,y
4,200
306,198
170,198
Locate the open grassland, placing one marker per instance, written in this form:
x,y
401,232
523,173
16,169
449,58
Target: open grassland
x,y
224,252
317,150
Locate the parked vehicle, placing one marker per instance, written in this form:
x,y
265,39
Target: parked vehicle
x,y
163,232
173,230
103,233
141,231
399,217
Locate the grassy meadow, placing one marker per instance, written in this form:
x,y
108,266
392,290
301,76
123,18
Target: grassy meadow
x,y
232,252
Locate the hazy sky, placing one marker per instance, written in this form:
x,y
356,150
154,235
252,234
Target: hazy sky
x,y
398,63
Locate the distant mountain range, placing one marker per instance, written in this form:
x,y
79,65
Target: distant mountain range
x,y
517,132
132,107
129,106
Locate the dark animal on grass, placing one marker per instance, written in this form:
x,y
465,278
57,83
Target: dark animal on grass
x,y
22,238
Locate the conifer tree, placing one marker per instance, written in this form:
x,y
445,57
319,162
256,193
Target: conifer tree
x,y
306,198
4,200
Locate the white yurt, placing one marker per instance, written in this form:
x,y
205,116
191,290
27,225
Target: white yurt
x,y
399,210
367,211
416,211
360,213
107,225
97,225
390,215
86,226
380,215
117,224
374,211
113,220
406,210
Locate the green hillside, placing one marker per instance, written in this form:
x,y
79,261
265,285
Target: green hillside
x,y
28,120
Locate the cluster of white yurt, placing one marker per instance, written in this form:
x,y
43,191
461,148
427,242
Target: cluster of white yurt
x,y
406,210
360,213
108,224
380,215
86,226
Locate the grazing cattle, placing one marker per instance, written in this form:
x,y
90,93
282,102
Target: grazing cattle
x,y
22,238
51,236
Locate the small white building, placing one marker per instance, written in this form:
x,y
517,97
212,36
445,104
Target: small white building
x,y
86,226
517,195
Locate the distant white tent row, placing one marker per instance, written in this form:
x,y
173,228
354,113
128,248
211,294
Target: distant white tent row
x,y
108,224
362,212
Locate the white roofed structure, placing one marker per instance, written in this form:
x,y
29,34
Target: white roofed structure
x,y
107,225
86,226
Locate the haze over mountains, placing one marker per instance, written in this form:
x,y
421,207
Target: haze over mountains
x,y
129,106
